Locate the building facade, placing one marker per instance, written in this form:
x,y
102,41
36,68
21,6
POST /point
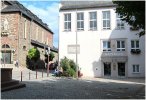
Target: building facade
x,y
106,46
21,30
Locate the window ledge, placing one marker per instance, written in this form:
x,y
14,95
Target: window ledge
x,y
135,72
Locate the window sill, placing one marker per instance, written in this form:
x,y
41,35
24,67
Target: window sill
x,y
80,30
119,29
67,31
105,29
135,72
106,51
92,30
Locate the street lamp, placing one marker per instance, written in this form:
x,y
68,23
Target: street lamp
x,y
76,47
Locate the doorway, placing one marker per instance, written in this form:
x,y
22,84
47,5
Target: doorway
x,y
121,69
107,69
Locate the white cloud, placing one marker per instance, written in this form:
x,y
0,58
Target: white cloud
x,y
49,15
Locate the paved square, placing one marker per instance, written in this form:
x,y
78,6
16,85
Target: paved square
x,y
63,88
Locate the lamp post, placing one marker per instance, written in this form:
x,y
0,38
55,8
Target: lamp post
x,y
76,48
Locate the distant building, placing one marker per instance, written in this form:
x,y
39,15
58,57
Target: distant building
x,y
106,46
20,31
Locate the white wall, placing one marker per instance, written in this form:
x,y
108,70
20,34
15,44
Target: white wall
x,y
89,58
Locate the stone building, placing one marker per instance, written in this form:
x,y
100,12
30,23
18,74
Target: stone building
x,y
20,31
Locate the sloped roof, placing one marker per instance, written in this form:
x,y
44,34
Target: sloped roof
x,y
15,6
68,5
42,45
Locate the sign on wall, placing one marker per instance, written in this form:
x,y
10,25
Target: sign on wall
x,y
72,49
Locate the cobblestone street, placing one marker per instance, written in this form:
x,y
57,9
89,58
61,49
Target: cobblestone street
x,y
85,88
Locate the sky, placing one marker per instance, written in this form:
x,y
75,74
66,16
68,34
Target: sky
x,y
48,11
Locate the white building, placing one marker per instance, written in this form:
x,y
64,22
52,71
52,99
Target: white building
x,y
107,47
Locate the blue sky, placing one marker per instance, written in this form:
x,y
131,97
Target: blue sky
x,y
46,10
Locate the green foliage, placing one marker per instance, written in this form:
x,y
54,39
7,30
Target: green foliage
x,y
68,66
64,63
72,65
51,56
133,12
33,54
71,72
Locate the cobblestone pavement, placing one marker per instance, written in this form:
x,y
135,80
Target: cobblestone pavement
x,y
85,88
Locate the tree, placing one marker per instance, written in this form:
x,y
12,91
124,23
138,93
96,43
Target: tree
x,y
32,57
133,12
51,56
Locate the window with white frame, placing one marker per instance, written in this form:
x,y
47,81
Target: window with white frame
x,y
120,23
136,68
106,46
120,45
80,21
93,20
25,29
106,19
134,44
67,22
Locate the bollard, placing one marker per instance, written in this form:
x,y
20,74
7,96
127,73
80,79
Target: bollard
x,y
47,72
29,75
21,76
36,73
42,73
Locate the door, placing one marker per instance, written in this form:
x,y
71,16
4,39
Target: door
x,y
121,69
107,69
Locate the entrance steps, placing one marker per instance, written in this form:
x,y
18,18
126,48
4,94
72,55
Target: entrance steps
x,y
9,85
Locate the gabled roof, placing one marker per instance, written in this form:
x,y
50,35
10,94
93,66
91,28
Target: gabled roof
x,y
15,6
68,5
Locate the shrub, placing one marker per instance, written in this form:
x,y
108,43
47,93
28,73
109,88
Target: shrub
x,y
64,63
72,65
71,72
68,66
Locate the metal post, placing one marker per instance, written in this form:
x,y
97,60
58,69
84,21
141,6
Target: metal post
x,y
29,74
36,73
42,73
76,48
21,76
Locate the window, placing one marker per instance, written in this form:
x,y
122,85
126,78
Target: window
x,y
5,46
120,23
42,36
93,21
25,28
135,44
136,69
37,33
72,49
80,21
106,46
120,45
67,22
106,19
